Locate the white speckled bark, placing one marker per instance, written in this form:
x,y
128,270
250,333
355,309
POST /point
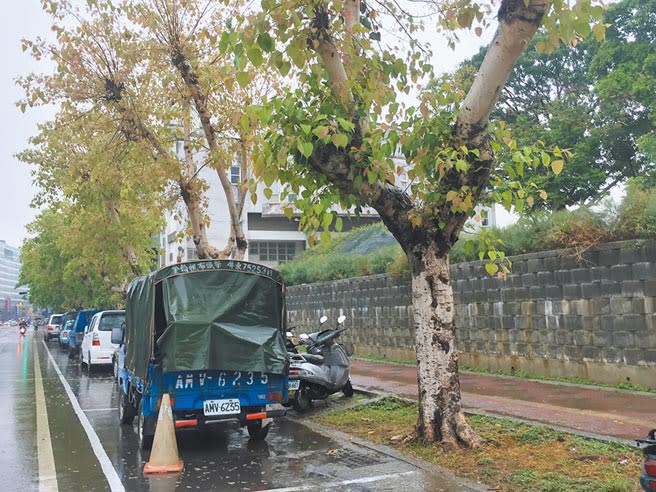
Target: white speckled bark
x,y
440,413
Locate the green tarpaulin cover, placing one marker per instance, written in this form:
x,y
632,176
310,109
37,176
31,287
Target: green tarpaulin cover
x,y
215,315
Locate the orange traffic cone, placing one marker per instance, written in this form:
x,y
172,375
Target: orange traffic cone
x,y
164,457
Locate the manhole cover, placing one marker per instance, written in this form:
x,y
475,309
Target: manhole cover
x,y
354,459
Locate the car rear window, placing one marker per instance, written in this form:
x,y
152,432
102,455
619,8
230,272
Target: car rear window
x,y
110,321
55,320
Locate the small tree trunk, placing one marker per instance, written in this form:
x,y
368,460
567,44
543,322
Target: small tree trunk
x,y
191,195
191,199
128,252
440,413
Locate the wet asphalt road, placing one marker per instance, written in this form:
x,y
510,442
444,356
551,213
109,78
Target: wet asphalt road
x,y
293,458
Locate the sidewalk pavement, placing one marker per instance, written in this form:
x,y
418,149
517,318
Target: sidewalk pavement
x,y
587,410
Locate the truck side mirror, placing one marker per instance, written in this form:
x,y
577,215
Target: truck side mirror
x,y
117,335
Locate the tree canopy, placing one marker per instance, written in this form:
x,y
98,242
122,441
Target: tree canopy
x,y
593,98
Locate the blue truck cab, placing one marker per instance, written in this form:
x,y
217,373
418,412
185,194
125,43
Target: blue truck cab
x,y
211,335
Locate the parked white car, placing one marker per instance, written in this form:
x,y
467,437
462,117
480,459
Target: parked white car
x,y
97,347
53,327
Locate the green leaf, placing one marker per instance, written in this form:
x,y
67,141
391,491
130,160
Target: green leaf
x,y
491,268
339,224
346,124
339,140
599,31
284,68
327,221
243,78
255,56
265,41
305,148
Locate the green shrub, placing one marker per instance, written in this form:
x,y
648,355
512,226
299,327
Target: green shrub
x,y
372,249
636,216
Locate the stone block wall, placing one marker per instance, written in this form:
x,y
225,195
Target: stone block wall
x,y
555,314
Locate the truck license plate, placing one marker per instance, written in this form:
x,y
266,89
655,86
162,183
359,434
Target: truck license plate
x,y
294,384
221,407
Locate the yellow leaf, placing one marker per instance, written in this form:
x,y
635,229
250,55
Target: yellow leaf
x,y
491,268
451,195
557,166
543,195
530,201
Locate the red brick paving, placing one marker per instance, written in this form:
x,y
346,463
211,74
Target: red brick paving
x,y
606,412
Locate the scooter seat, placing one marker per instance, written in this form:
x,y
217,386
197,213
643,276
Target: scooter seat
x,y
314,359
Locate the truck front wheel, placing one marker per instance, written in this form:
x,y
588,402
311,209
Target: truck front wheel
x,y
145,430
126,410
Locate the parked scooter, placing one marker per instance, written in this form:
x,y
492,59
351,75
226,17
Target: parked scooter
x,y
322,370
648,446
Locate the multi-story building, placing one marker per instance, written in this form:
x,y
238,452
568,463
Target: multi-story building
x,y
272,237
12,304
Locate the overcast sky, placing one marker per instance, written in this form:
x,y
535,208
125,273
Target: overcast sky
x,y
21,19
25,19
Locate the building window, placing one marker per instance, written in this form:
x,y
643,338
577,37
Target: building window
x,y
235,174
179,149
272,251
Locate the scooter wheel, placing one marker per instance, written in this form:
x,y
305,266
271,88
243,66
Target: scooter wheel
x,y
348,389
302,402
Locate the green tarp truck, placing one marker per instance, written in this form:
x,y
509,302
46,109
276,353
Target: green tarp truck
x,y
211,334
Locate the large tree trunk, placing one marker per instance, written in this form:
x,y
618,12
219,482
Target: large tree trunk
x,y
440,413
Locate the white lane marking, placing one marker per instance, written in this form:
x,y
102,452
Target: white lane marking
x,y
45,456
342,483
108,469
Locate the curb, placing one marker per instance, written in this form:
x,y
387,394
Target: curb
x,y
465,484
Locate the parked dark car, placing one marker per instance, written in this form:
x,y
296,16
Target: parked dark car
x,y
67,325
648,446
77,331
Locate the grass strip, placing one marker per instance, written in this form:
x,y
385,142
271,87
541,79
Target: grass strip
x,y
515,457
